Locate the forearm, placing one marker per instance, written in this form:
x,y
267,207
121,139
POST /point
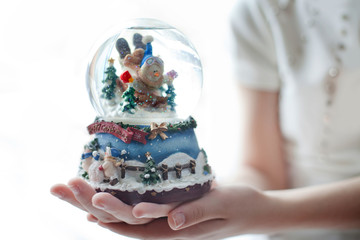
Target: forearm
x,y
253,177
258,179
261,154
335,205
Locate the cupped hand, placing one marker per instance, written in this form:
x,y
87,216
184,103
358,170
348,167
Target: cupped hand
x,y
105,208
223,212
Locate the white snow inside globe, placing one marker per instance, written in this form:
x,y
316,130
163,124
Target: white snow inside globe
x,y
145,71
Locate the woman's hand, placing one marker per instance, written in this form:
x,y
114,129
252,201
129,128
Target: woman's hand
x,y
104,207
223,212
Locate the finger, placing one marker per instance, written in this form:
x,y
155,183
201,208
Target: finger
x,y
159,230
214,184
91,218
209,207
83,193
153,210
116,208
145,231
64,193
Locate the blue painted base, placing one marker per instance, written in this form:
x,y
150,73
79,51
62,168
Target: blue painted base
x,y
180,141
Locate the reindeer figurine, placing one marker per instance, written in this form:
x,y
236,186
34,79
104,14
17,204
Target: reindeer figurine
x,y
146,75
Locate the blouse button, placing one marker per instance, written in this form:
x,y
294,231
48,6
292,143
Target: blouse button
x,y
345,17
283,4
333,72
341,46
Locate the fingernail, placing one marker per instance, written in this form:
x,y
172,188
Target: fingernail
x,y
179,219
142,216
58,194
92,218
99,206
75,189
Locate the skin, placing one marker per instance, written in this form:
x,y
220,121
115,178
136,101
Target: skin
x,y
262,203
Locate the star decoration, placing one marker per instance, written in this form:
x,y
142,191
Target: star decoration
x,y
111,61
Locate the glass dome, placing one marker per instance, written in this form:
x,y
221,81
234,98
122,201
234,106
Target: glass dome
x,y
146,70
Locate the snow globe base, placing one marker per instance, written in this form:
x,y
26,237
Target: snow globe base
x,y
164,197
159,163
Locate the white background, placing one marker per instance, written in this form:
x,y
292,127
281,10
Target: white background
x,y
45,109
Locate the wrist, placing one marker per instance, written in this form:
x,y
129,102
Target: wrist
x,y
276,212
258,211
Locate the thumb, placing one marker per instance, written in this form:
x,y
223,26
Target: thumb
x,y
197,211
152,210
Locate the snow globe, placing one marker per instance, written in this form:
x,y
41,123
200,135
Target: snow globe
x,y
143,81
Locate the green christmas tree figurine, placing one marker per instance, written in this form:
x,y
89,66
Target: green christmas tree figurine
x,y
129,100
151,174
110,81
171,97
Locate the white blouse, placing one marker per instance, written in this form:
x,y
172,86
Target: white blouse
x,y
309,51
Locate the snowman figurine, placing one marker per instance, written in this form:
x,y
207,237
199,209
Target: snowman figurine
x,y
149,77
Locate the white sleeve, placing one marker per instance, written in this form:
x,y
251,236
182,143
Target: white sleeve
x,y
253,50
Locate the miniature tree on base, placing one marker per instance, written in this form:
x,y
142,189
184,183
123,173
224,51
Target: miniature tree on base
x,y
150,175
93,145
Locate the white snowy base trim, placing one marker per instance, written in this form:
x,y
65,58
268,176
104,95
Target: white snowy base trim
x,y
132,181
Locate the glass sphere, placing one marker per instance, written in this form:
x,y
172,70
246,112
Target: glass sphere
x,y
146,70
